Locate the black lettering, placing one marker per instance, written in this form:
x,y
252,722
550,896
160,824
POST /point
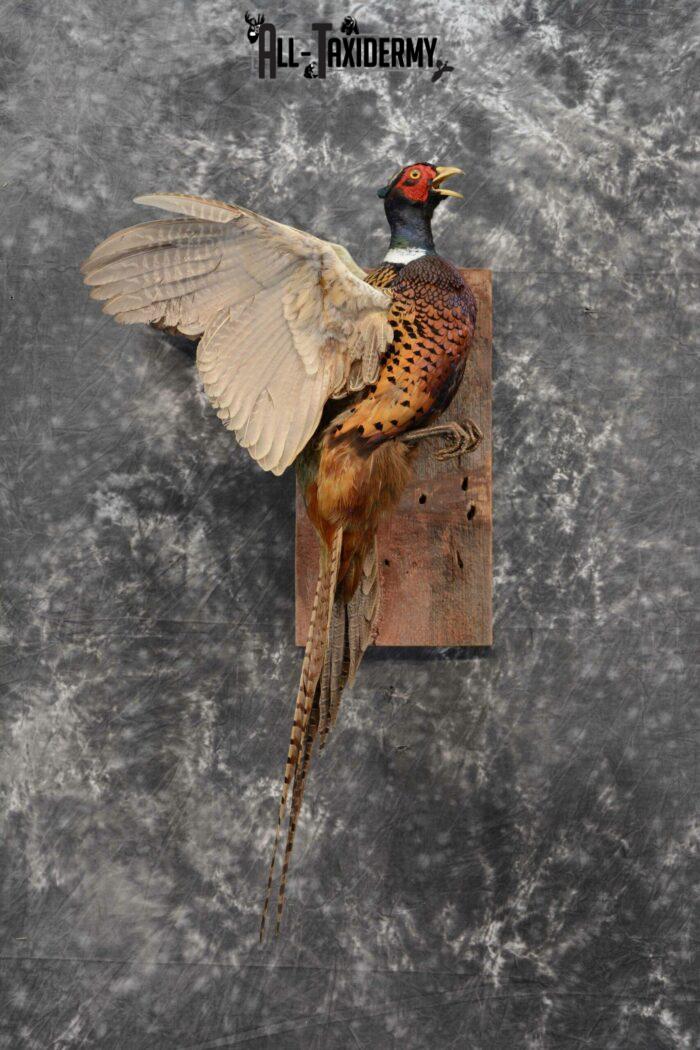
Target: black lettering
x,y
334,51
384,45
369,57
267,50
348,56
430,45
414,49
397,52
321,29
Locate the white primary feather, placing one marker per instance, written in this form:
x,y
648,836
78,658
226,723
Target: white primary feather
x,y
287,320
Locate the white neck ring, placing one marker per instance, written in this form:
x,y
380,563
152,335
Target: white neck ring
x,y
404,255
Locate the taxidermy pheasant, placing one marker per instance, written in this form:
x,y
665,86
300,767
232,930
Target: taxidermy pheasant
x,y
309,360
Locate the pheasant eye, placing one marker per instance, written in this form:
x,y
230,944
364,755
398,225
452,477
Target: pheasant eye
x,y
415,174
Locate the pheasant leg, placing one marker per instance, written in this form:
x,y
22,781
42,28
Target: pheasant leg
x,y
465,437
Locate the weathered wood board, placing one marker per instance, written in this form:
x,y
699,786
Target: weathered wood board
x,y
435,550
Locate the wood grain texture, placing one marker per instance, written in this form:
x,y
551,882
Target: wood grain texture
x,y
435,550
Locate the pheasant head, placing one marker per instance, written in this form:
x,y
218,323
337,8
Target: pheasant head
x,y
410,198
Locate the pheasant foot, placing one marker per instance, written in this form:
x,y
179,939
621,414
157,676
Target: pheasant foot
x,y
465,437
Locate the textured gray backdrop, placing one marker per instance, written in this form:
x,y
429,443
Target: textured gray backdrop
x,y
498,849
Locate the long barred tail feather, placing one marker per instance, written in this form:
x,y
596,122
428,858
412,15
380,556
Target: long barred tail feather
x,y
353,626
333,677
346,493
312,666
300,776
324,685
363,612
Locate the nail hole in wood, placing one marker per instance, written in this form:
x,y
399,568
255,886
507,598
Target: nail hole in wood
x,y
471,512
465,484
422,498
386,561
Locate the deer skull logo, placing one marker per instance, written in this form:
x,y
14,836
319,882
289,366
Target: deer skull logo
x,y
254,26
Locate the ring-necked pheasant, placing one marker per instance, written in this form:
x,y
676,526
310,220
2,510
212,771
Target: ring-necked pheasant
x,y
310,360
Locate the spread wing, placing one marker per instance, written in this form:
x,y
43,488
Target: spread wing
x,y
287,320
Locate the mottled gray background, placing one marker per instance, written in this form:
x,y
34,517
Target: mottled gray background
x,y
499,848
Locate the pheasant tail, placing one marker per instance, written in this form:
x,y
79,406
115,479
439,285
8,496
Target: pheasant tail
x,y
305,722
353,623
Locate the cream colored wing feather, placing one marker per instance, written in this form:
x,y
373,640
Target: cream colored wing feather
x,y
287,320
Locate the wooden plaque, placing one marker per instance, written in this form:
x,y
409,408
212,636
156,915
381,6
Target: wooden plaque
x,y
435,550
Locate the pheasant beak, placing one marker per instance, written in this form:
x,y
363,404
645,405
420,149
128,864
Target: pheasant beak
x,y
440,175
